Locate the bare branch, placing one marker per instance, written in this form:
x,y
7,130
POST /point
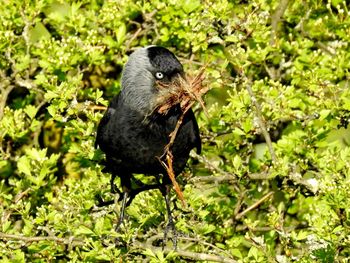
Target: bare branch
x,y
20,195
184,92
267,228
71,241
180,252
214,179
97,108
25,33
4,95
261,120
134,36
276,18
260,117
255,205
226,176
205,244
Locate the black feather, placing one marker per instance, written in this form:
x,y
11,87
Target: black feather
x,y
133,138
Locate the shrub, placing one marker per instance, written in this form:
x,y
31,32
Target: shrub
x,y
272,181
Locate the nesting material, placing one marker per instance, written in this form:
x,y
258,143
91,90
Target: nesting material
x,y
184,91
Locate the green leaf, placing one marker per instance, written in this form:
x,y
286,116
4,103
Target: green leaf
x,y
190,5
38,32
24,63
99,226
121,33
149,252
238,131
253,252
24,166
6,225
31,111
236,253
324,114
83,230
52,109
237,162
302,235
231,39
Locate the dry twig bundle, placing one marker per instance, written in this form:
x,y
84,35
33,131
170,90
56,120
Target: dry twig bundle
x,y
184,91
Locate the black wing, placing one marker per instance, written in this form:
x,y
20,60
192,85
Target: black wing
x,y
104,122
195,136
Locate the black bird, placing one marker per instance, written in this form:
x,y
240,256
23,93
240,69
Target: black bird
x,y
133,136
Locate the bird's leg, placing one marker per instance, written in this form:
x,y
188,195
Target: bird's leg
x,y
122,211
165,189
126,186
114,188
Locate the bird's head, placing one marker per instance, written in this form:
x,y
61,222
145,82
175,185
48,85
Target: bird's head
x,y
144,68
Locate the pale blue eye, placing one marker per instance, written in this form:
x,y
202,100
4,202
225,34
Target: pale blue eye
x,y
159,75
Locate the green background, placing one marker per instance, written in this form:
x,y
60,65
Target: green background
x,y
272,182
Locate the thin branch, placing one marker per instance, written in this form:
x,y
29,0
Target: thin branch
x,y
213,179
134,36
71,241
4,95
177,127
205,244
261,120
276,18
190,62
97,108
19,196
180,252
169,157
255,205
267,228
25,33
300,25
6,87
226,176
143,28
239,202
259,176
260,117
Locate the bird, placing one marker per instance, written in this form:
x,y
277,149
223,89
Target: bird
x,y
133,135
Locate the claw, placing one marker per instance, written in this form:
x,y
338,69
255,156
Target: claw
x,y
114,188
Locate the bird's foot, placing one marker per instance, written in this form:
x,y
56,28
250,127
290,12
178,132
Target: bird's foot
x,y
102,203
170,227
114,189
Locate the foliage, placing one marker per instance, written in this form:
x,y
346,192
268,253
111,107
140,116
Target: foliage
x,y
278,71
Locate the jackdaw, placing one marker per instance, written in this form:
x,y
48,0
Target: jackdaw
x,y
133,136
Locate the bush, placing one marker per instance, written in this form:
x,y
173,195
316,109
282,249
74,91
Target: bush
x,y
272,181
